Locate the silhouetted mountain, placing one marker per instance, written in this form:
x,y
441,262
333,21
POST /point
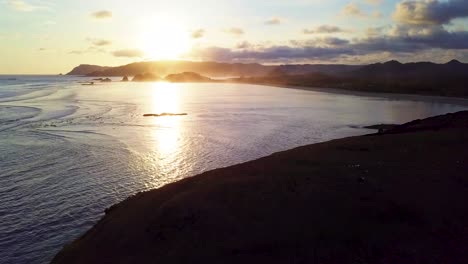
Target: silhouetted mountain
x,y
212,69
450,79
85,69
318,68
424,70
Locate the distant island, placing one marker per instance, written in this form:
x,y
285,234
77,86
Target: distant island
x,y
398,196
187,77
449,79
146,77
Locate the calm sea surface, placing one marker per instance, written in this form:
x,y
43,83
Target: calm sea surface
x,y
68,151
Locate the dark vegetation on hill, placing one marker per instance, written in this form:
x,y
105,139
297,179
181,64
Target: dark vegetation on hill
x,y
450,79
394,197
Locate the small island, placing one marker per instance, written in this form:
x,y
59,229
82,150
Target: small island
x,y
187,77
146,77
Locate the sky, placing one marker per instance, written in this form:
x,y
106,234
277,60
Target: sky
x,y
51,36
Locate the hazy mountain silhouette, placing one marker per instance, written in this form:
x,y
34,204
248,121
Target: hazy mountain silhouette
x,y
449,79
213,69
85,69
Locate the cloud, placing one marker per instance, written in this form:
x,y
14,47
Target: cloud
x,y
235,31
129,53
199,33
103,14
99,42
391,41
244,45
375,31
274,21
23,6
353,9
270,54
430,12
324,29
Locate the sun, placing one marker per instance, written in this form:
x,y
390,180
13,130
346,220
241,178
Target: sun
x,y
163,39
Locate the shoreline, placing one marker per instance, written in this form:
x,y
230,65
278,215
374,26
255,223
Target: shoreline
x,y
462,101
394,197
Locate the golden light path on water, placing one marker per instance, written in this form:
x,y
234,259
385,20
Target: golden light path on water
x,y
166,99
162,162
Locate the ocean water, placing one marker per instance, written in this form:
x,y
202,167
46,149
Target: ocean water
x,y
69,151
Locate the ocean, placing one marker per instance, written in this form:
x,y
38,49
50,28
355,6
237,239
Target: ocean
x,y
69,151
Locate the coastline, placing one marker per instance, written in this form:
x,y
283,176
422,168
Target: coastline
x,y
393,96
394,197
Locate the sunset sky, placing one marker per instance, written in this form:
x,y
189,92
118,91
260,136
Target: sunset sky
x,y
46,36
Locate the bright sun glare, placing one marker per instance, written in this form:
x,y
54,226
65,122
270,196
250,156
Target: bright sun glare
x,y
163,39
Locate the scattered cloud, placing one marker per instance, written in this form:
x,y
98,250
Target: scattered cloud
x,y
99,42
199,33
244,45
102,14
235,31
430,12
354,10
22,6
274,21
324,29
129,53
375,31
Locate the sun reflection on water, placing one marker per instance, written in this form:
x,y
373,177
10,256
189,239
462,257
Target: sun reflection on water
x,y
165,135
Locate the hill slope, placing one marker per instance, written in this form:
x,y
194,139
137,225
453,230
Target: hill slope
x,y
398,197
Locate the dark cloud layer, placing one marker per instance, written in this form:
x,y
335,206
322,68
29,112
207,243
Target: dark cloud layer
x,y
398,40
430,12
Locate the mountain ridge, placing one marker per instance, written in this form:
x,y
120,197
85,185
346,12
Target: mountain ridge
x,y
220,69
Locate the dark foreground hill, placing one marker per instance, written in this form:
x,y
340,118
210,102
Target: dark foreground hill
x,y
396,197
